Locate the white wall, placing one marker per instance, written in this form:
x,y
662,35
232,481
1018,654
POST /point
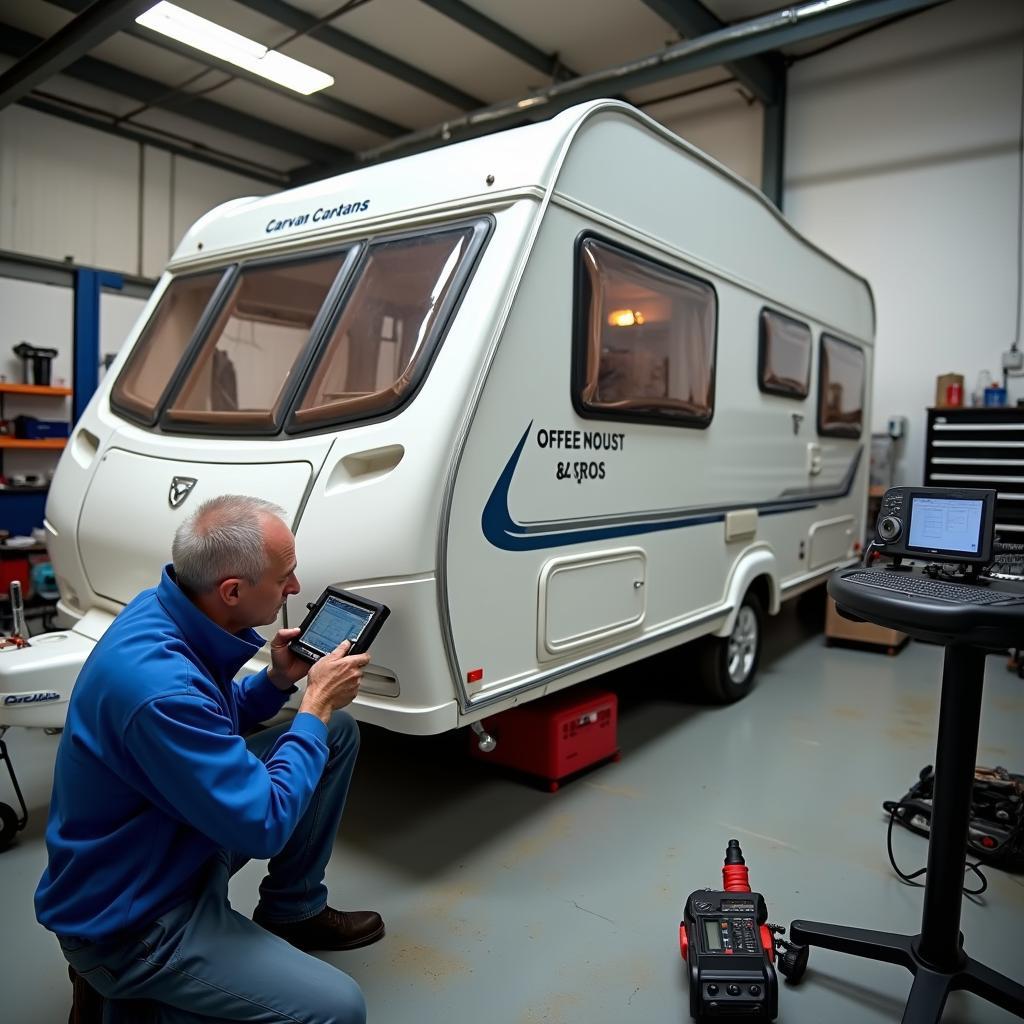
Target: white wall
x,y
67,191
902,160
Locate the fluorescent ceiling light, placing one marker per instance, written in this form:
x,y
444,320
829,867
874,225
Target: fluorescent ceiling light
x,y
208,36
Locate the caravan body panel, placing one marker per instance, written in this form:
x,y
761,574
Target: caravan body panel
x,y
709,508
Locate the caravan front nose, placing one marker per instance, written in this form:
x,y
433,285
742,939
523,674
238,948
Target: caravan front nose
x,y
135,503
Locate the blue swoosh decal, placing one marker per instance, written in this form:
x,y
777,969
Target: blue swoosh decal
x,y
504,532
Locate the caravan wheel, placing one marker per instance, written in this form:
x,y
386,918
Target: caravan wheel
x,y
729,663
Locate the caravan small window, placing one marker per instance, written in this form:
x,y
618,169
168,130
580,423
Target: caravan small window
x,y
149,369
644,339
388,328
784,356
241,374
840,388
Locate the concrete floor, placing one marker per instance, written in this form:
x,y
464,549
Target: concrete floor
x,y
510,905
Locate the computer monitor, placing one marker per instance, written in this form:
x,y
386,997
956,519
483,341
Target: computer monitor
x,y
938,523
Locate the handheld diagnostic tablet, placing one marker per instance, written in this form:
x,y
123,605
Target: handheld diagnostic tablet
x,y
334,617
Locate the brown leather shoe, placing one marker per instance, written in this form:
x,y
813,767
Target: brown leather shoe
x,y
330,929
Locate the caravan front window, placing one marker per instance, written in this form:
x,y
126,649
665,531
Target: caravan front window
x,y
239,377
156,355
388,328
840,388
644,339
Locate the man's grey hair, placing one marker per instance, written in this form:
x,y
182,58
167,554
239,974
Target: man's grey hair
x,y
221,539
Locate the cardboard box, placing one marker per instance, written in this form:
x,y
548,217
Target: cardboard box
x,y
942,392
838,628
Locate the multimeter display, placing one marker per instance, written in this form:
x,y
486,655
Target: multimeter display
x,y
336,622
713,933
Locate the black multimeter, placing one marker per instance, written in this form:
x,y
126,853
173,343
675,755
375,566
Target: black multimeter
x,y
334,617
731,971
730,949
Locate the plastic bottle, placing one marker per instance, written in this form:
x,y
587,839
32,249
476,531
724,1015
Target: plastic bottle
x,y
984,381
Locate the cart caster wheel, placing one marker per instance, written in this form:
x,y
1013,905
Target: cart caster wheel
x,y
552,787
792,960
617,756
8,825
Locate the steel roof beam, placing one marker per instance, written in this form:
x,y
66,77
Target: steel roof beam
x,y
15,42
773,148
99,21
469,17
690,19
739,45
746,39
320,100
305,23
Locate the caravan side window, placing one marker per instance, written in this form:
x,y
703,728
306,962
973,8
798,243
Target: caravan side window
x,y
151,366
784,356
240,376
840,388
389,326
644,345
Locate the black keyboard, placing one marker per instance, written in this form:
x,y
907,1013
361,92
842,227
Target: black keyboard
x,y
937,590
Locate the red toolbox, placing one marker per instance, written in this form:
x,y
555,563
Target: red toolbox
x,y
556,736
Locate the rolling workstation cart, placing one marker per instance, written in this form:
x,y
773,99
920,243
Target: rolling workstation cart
x,y
969,615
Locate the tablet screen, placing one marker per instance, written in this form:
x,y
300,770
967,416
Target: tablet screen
x,y
336,621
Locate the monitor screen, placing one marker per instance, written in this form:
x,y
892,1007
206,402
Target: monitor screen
x,y
336,621
946,524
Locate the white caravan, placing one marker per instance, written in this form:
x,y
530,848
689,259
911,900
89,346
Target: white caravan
x,y
562,397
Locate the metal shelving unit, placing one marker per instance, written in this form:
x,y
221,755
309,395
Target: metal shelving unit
x,y
22,507
980,447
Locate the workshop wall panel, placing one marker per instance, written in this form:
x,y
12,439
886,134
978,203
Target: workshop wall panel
x,y
67,191
157,211
902,160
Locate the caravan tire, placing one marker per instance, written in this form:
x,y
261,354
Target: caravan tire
x,y
729,663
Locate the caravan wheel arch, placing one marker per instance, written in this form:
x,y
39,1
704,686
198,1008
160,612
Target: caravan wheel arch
x,y
757,570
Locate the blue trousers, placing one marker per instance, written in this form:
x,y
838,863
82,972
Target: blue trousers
x,y
204,962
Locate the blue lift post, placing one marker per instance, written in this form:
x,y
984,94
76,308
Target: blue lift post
x,y
89,285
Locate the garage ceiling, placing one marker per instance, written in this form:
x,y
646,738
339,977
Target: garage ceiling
x,y
408,74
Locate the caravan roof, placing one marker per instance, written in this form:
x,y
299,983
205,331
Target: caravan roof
x,y
585,155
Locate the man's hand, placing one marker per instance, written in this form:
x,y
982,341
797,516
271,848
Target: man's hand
x,y
286,667
333,682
